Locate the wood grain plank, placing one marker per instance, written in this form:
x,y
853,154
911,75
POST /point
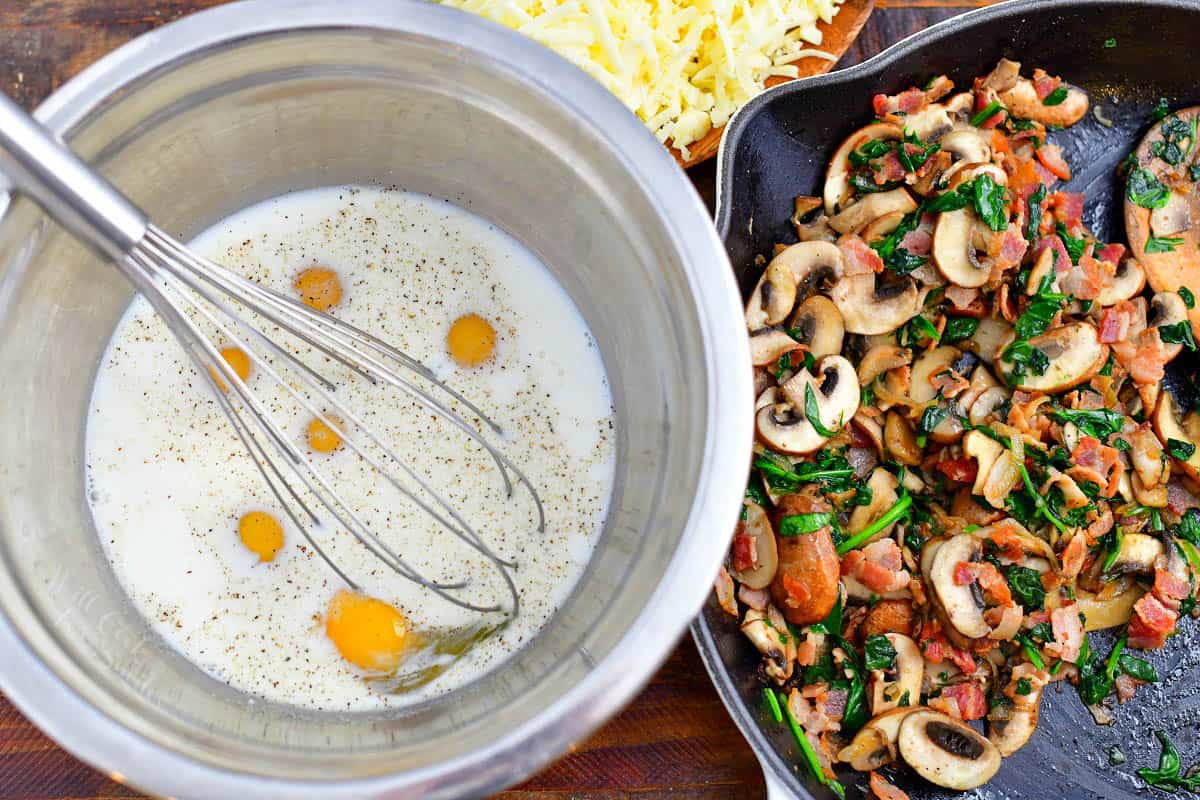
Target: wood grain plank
x,y
674,741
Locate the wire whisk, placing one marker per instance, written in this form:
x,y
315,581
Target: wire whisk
x,y
188,291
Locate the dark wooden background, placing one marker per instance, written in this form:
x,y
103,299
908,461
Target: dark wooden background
x,y
675,739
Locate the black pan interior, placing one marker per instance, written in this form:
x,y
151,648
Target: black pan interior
x,y
777,148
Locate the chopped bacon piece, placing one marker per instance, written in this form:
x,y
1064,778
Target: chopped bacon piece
x,y
1099,527
1126,687
1151,623
877,578
939,87
1180,498
860,258
1045,176
890,169
1114,325
962,660
1063,262
1068,633
1023,178
883,789
886,553
806,650
1044,84
960,470
1145,358
1111,253
910,101
994,586
960,297
1007,541
949,383
963,574
851,561
1052,159
970,699
744,555
918,241
1084,280
724,589
945,704
982,100
758,599
1097,463
1169,587
1073,555
1068,209
1013,247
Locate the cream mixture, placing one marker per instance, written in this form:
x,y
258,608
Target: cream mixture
x,y
169,480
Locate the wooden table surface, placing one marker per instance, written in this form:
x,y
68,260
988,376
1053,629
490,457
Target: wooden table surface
x,y
675,739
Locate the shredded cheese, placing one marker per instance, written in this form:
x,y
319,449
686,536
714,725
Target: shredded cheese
x,y
683,67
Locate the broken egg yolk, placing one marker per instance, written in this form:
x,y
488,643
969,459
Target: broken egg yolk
x,y
369,633
237,359
262,534
319,288
471,340
321,437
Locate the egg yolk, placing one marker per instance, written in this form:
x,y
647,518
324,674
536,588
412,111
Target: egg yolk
x,y
321,437
369,633
471,340
319,288
237,359
262,534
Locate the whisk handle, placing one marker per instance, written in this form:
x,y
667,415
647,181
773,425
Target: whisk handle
x,y
78,198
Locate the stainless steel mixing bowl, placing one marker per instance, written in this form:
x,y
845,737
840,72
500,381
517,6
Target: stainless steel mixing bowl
x,y
246,101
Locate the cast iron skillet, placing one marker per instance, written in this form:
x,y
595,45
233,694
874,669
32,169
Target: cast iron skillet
x,y
777,147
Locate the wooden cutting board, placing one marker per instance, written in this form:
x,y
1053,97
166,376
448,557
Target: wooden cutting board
x,y
837,36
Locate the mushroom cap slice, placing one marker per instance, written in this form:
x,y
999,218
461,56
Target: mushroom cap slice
x,y
910,672
874,745
1168,271
811,264
952,243
1169,425
958,601
768,344
784,426
930,364
818,324
945,751
869,309
871,207
1138,554
1075,353
1010,735
1167,308
1022,100
989,338
883,486
757,525
837,177
968,146
1128,282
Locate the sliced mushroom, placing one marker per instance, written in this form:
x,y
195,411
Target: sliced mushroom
x,y
1169,425
834,390
1137,554
1075,355
886,694
1003,76
959,602
870,309
1178,266
930,124
1128,282
931,364
879,359
879,228
768,344
757,526
1010,735
883,486
985,405
968,146
874,745
870,208
945,751
812,265
1043,267
1148,459
900,440
837,177
1022,101
1107,609
954,251
992,334
969,172
1166,309
769,634
818,324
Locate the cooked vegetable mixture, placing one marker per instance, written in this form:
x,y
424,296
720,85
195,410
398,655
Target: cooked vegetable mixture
x,y
967,459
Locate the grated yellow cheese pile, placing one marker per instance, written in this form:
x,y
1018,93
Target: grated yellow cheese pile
x,y
683,67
